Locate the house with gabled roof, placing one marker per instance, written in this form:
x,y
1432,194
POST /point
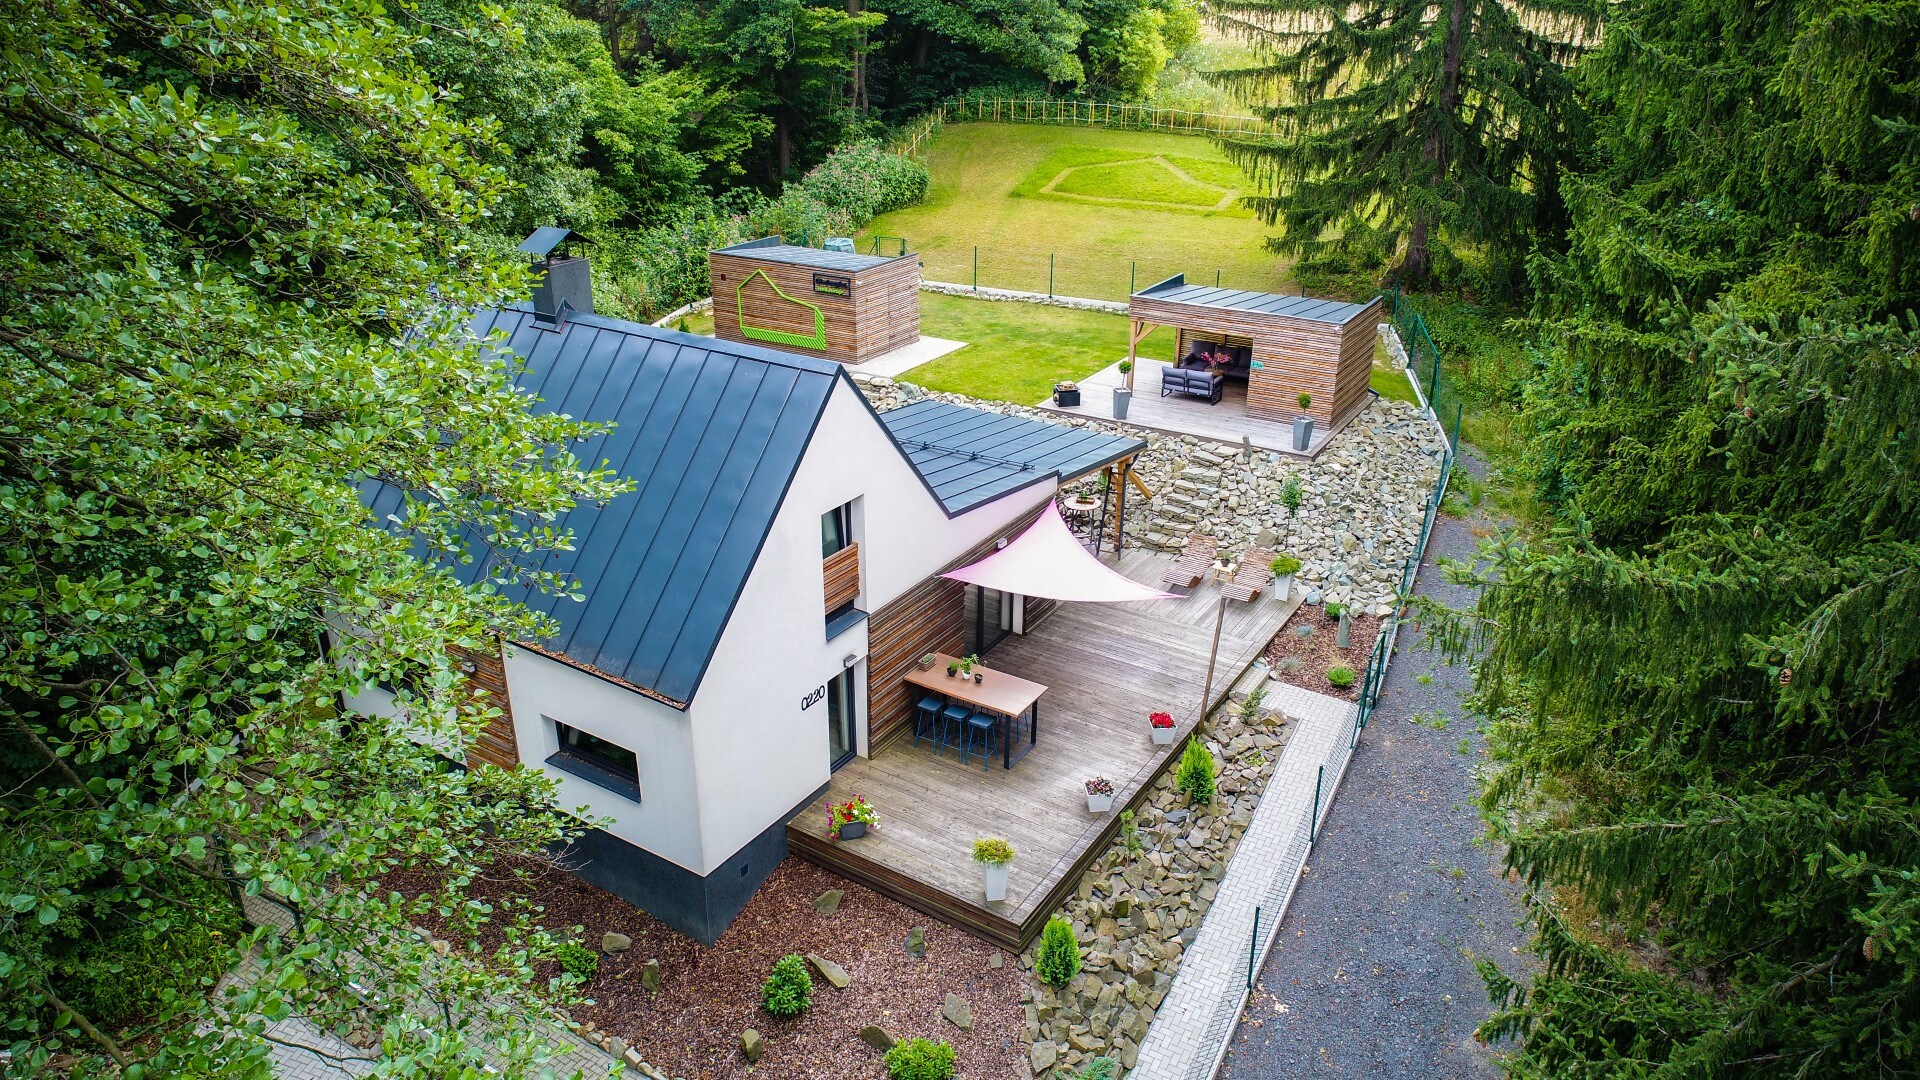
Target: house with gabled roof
x,y
747,610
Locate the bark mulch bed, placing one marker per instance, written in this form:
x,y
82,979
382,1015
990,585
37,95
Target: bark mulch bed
x,y
711,993
1315,652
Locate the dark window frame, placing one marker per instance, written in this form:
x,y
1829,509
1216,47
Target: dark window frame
x,y
843,521
595,769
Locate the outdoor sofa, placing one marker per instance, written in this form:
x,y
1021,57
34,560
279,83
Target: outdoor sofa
x,y
1199,382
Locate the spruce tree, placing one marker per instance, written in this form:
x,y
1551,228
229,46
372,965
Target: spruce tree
x,y
1705,678
1406,129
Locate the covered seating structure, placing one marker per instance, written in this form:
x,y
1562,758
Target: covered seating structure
x,y
1281,346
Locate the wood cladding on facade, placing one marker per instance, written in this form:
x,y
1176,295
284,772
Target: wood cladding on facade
x,y
486,671
839,307
931,617
1328,360
841,572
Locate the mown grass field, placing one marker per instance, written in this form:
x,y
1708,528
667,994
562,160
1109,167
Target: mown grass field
x,y
1016,352
1132,208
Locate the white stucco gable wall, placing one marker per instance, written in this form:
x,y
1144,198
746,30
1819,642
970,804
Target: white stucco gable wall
x,y
759,749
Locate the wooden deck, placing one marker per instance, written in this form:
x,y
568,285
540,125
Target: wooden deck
x,y
1179,414
1106,667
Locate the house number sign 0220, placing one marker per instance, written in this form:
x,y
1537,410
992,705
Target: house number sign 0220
x,y
813,697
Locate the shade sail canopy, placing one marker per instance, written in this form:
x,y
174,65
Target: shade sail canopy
x,y
1047,561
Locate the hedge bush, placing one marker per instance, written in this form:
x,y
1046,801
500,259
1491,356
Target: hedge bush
x,y
1195,776
789,990
864,180
920,1059
1058,960
577,960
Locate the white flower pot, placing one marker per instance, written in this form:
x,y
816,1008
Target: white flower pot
x,y
1283,588
1099,804
996,879
1162,735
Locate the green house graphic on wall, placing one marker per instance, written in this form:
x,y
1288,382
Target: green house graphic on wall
x,y
816,340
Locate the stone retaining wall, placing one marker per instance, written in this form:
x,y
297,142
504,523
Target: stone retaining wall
x,y
1078,303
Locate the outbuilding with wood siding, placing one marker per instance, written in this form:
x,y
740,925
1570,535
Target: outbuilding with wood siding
x,y
837,305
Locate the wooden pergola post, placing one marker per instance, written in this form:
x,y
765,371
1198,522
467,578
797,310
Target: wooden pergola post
x,y
1136,333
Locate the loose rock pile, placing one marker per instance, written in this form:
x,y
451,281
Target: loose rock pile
x,y
1362,500
1136,913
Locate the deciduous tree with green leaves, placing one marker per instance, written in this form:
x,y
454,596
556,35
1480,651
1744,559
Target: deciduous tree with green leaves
x,y
1408,130
234,245
1704,676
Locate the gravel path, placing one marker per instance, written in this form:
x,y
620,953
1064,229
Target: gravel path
x,y
1373,972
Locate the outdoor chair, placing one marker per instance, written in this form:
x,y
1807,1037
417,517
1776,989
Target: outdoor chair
x,y
927,721
983,726
1198,383
1194,561
955,722
1251,579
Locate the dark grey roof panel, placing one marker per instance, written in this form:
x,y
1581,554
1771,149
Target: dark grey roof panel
x,y
969,457
1308,308
546,238
711,432
773,250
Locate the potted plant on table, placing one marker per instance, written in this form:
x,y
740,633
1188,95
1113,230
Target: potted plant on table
x,y
1303,424
927,662
1123,394
995,857
1162,727
967,665
1099,795
1284,567
850,820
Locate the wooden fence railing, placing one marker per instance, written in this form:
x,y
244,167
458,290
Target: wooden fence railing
x,y
1087,113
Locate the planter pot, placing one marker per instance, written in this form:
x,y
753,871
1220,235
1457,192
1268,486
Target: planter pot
x,y
1162,735
1283,588
926,665
1302,432
996,880
1099,804
853,830
1067,399
1122,397
977,677
952,674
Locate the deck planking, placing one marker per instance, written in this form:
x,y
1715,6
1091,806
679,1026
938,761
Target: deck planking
x,y
1106,667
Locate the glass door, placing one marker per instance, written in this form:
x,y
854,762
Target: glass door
x,y
989,615
841,742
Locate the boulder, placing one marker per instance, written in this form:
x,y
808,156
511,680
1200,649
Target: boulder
x,y
829,971
750,1044
829,901
957,1011
1042,1057
650,975
916,942
612,942
997,961
877,1037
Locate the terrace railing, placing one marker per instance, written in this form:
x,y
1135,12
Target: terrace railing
x,y
1043,110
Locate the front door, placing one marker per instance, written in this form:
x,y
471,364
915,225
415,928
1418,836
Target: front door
x,y
840,738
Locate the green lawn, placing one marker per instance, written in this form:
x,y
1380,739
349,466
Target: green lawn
x,y
1392,384
1107,227
1016,352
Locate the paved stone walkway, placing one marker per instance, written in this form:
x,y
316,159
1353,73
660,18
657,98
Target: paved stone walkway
x,y
1191,1028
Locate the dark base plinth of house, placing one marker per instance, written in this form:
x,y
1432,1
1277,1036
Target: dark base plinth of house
x,y
700,907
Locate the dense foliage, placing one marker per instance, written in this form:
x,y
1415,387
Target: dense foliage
x,y
1704,676
788,991
233,247
1057,960
1194,777
920,1059
1409,131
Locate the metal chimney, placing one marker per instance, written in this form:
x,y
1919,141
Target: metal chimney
x,y
566,281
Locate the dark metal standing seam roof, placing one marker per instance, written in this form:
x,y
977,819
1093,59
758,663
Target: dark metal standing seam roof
x,y
772,250
1337,312
970,457
712,432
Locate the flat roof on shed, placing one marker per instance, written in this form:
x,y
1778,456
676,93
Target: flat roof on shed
x,y
1175,290
775,249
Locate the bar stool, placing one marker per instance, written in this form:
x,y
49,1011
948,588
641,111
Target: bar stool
x,y
954,728
927,720
985,725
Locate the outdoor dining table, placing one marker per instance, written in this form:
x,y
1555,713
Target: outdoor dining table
x,y
1009,697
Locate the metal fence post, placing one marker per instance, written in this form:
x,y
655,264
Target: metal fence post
x,y
976,268
1253,947
1049,275
1133,271
1313,823
1216,278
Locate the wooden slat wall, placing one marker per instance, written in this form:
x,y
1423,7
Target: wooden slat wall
x,y
841,571
882,314
930,617
496,744
1296,355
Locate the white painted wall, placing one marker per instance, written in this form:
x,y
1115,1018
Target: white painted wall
x,y
666,819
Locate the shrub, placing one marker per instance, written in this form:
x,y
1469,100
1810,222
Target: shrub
x,y
1100,1068
863,180
789,990
920,1059
1306,401
1291,494
1341,676
1058,960
1283,565
1334,610
1129,832
137,970
993,851
1195,776
577,960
